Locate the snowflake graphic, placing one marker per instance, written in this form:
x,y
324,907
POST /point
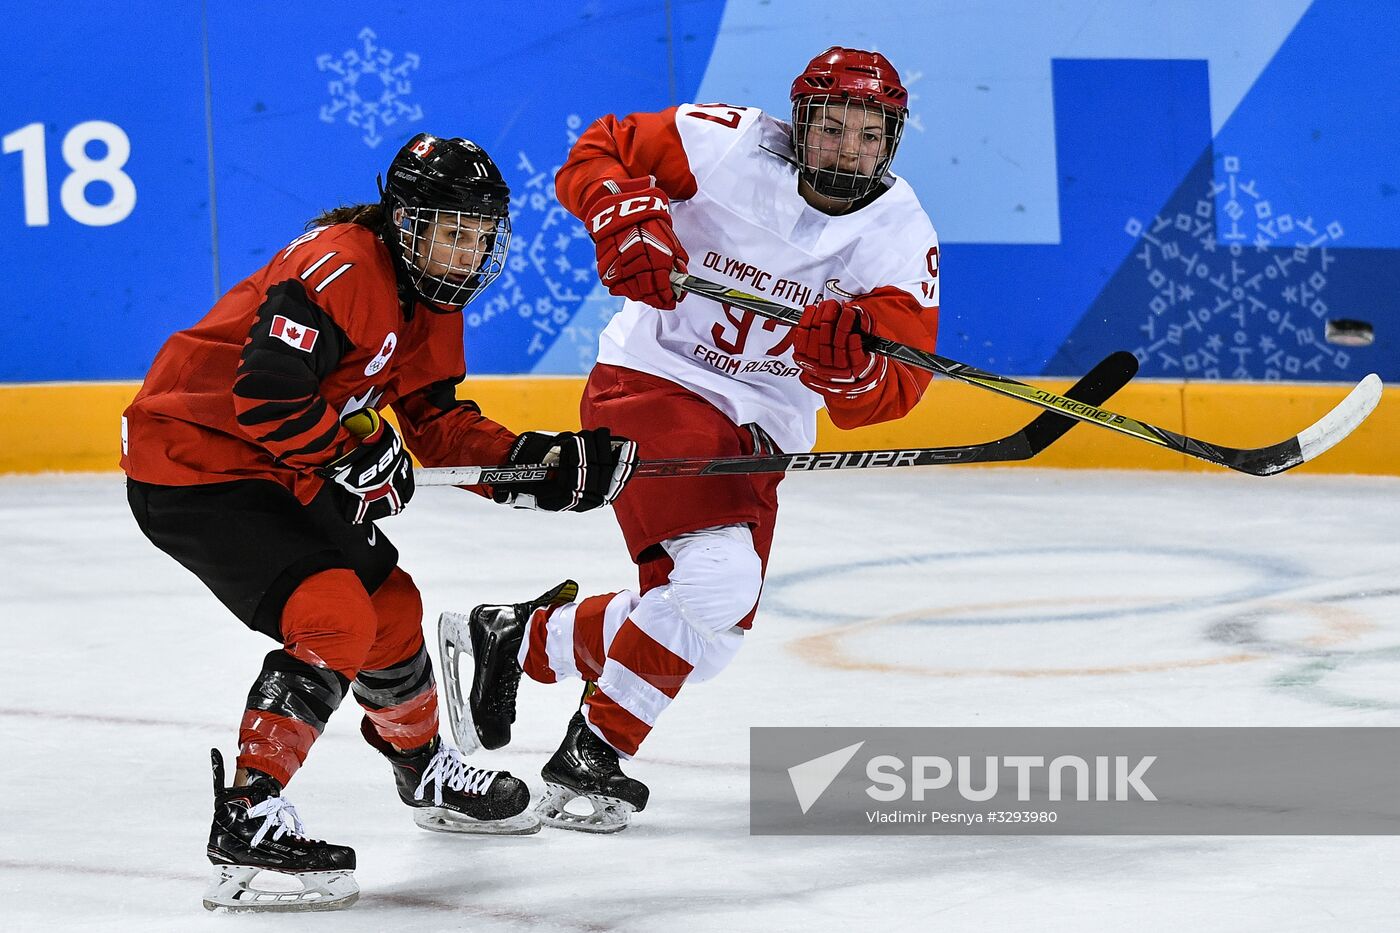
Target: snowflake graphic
x,y
551,268
367,89
1236,289
914,119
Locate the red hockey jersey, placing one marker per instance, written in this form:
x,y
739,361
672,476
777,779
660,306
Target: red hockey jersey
x,y
259,387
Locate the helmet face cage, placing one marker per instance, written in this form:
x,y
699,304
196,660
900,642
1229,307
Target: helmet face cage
x,y
451,255
844,145
448,213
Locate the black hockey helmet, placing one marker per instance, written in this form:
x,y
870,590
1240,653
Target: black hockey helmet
x,y
448,214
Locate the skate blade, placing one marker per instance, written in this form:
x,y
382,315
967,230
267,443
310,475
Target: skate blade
x,y
232,890
442,820
459,665
609,815
455,651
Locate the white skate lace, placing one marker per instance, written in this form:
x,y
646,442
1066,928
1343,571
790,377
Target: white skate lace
x,y
281,819
448,767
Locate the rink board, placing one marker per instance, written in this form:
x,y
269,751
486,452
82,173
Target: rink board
x,y
75,426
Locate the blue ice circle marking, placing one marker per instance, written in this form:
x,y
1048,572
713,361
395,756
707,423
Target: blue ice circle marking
x,y
782,592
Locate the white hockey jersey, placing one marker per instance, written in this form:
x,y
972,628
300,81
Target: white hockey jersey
x,y
737,210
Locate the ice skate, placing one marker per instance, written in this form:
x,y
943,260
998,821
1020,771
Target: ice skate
x,y
585,771
256,830
491,637
450,796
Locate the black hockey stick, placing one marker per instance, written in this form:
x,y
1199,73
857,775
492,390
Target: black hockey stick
x,y
1097,386
1257,461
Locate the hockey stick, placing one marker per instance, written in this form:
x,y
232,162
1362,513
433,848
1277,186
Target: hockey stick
x,y
1111,374
1257,461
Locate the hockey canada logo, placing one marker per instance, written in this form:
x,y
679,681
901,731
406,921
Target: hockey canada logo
x,y
382,357
293,334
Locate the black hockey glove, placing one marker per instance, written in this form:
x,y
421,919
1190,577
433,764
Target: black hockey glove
x,y
590,469
378,474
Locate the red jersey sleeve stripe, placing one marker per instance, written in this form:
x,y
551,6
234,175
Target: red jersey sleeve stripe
x,y
636,146
898,316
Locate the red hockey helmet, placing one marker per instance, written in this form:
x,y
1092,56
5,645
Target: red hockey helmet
x,y
853,73
837,89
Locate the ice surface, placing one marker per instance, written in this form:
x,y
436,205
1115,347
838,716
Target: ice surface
x,y
943,596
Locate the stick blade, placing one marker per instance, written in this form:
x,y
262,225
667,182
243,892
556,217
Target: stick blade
x,y
1316,440
1342,420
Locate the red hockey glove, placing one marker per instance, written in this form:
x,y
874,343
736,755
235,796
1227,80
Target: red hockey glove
x,y
378,474
828,349
630,222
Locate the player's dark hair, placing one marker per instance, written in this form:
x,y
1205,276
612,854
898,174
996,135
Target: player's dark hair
x,y
366,215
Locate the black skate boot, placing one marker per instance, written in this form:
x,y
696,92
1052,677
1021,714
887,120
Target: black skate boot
x,y
450,796
255,829
587,767
491,634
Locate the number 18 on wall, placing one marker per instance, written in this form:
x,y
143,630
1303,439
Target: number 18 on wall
x,y
85,170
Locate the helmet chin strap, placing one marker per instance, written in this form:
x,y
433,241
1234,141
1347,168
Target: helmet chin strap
x,y
825,130
436,305
848,197
832,184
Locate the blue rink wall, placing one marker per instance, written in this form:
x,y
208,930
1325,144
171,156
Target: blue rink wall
x,y
1205,183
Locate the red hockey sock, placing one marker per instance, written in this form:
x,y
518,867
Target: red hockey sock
x,y
589,653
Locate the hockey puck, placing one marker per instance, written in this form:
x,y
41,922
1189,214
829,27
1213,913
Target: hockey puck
x,y
1345,332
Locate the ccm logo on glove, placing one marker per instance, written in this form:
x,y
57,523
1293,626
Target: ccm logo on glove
x,y
627,207
630,222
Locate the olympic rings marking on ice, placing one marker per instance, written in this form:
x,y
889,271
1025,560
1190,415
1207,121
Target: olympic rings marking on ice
x,y
1305,679
783,592
827,649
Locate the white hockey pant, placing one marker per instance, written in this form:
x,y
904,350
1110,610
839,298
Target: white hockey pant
x,y
683,632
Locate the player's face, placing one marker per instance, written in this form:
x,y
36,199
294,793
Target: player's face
x,y
455,246
847,137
